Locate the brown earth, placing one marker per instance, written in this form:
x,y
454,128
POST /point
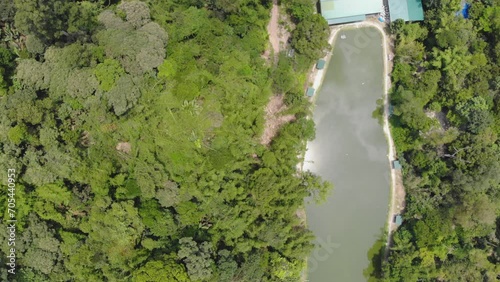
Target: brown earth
x,y
274,118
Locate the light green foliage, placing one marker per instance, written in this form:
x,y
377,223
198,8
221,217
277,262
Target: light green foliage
x,y
285,270
167,69
283,75
33,73
107,73
54,193
465,109
196,183
299,9
17,134
166,269
116,230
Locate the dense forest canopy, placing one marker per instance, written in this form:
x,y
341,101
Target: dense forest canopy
x,y
446,124
134,129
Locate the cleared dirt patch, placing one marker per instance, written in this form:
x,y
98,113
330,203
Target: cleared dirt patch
x,y
274,119
124,147
278,34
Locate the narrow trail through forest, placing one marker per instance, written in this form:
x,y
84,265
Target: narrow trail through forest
x,y
274,119
273,28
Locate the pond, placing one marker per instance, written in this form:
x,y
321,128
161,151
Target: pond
x,y
350,150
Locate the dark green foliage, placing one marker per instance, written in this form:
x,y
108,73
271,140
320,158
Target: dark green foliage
x,y
445,127
56,20
6,68
283,75
197,258
8,10
299,9
310,37
45,19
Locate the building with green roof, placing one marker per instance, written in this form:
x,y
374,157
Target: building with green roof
x,y
407,10
310,92
398,219
396,165
320,64
345,11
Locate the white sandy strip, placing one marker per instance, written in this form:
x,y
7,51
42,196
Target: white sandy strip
x,y
318,80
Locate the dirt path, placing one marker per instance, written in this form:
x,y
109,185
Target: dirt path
x,y
278,34
273,28
273,34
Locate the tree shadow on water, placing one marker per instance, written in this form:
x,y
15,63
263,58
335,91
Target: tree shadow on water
x,y
373,272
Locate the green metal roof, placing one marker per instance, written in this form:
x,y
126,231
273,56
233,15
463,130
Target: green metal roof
x,y
398,219
320,64
408,10
396,165
358,18
310,92
341,11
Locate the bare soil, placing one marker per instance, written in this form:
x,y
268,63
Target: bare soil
x,y
274,118
278,34
124,147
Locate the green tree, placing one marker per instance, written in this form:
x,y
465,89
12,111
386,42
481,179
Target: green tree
x,y
197,258
310,37
124,95
107,73
165,269
45,19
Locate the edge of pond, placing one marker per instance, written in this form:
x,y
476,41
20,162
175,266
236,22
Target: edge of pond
x,y
316,78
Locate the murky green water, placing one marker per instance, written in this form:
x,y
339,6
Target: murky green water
x,y
350,150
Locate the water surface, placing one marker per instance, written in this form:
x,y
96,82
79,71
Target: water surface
x,y
350,151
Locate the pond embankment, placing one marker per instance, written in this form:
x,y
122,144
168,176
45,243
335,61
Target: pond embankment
x,y
350,150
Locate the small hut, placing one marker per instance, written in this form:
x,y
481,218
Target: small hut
x,y
320,64
396,165
398,219
310,92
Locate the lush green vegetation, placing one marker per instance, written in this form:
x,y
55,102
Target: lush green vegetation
x,y
134,128
446,124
